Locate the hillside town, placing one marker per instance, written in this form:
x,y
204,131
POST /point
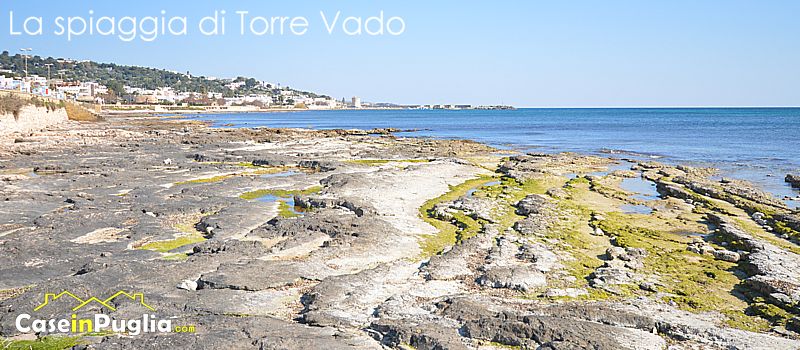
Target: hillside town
x,y
124,87
128,88
168,98
96,93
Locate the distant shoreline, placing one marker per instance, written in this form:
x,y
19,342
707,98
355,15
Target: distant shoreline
x,y
285,110
218,111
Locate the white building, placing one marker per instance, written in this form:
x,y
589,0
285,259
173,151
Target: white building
x,y
36,80
356,102
235,85
83,91
320,103
264,100
74,90
7,83
166,94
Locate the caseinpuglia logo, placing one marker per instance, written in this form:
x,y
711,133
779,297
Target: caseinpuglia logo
x,y
100,322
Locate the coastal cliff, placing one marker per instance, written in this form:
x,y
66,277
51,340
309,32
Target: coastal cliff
x,y
21,113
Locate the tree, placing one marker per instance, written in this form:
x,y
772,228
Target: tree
x,y
116,87
5,59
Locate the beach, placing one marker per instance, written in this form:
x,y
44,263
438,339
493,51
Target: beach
x,y
366,238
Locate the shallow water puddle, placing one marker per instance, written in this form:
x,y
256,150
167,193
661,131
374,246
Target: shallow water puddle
x,y
636,209
472,191
289,201
279,175
644,189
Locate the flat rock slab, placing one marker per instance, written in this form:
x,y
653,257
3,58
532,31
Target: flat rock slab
x,y
240,302
253,275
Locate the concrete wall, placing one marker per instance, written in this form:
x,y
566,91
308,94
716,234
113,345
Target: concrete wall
x,y
31,119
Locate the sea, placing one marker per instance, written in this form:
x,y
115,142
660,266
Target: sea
x,y
761,145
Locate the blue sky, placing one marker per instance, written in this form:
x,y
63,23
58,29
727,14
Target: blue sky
x,y
526,53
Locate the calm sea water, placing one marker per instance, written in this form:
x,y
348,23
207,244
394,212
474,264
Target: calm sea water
x,y
757,144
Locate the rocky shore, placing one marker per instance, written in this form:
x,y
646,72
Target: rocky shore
x,y
341,239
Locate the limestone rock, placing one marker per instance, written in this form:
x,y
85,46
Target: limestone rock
x,y
519,278
727,255
188,285
793,180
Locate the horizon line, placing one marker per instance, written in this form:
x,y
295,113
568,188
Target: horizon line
x,y
652,107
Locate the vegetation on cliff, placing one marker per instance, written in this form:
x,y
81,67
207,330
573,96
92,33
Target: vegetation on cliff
x,y
12,104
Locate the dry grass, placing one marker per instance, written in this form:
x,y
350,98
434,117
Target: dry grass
x,y
10,104
79,113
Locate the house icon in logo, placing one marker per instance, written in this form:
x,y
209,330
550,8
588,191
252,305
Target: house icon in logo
x,y
48,297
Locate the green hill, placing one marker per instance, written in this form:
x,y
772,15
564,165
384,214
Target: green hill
x,y
116,76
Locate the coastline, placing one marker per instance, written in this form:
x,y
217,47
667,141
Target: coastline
x,y
152,111
389,238
764,168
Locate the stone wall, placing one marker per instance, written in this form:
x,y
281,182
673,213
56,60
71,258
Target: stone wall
x,y
30,119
